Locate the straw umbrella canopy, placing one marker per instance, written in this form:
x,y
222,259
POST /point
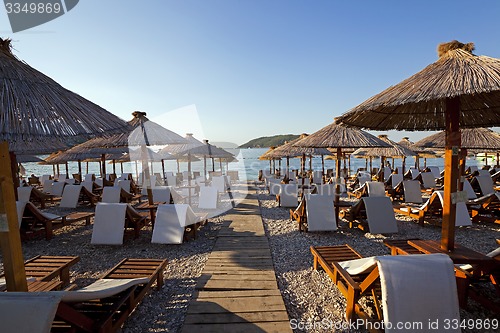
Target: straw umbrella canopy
x,y
459,90
143,132
266,157
476,139
392,149
37,116
207,150
291,150
181,151
339,137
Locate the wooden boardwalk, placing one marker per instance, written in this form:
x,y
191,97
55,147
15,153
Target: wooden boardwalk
x,y
237,291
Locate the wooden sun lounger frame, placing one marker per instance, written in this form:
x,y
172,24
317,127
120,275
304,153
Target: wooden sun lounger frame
x,y
421,213
107,315
352,287
48,225
48,268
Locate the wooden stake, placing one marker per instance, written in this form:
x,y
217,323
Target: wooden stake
x,y
10,238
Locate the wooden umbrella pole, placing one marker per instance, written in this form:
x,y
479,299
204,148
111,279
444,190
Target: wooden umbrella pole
x,y
58,172
145,173
349,166
453,141
461,168
114,167
103,165
67,171
322,167
10,238
163,169
80,170
121,167
337,184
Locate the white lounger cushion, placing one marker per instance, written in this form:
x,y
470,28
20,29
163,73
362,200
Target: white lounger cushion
x,y
70,196
31,312
320,213
418,288
109,223
170,223
375,189
358,266
20,206
208,198
24,193
380,215
161,194
289,195
412,191
486,184
111,194
56,188
101,288
462,217
428,179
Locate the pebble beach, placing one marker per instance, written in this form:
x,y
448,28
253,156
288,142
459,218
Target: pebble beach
x,y
310,297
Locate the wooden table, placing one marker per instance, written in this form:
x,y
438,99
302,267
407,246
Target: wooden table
x,y
459,255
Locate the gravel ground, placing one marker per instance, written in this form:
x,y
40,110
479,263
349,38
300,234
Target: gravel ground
x,y
310,296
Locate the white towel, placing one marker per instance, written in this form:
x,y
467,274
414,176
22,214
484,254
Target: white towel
x,y
169,224
101,289
359,266
380,215
31,312
320,213
109,223
418,288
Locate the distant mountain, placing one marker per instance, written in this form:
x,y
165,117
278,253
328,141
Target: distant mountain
x,y
269,141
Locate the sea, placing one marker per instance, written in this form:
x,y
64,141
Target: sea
x,y
247,164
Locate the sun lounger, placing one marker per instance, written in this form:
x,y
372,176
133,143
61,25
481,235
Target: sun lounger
x,y
24,193
112,219
471,283
412,193
47,268
372,214
35,222
70,196
404,283
375,189
174,222
483,185
288,195
106,304
434,207
320,213
208,198
485,208
31,312
111,194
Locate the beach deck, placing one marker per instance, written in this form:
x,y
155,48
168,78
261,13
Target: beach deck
x,y
237,291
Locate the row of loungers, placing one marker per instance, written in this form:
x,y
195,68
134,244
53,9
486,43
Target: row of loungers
x,y
103,306
411,288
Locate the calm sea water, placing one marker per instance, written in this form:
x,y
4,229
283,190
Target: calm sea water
x,y
248,164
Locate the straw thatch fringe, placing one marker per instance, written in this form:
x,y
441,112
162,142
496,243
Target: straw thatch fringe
x,y
35,109
419,102
291,150
472,138
337,136
395,150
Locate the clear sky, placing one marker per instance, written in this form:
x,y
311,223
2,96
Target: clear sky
x,y
235,70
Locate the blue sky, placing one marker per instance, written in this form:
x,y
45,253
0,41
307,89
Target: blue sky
x,y
234,70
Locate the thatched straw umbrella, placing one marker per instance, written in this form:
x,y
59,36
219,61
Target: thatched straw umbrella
x,y
267,157
392,149
182,152
143,133
38,116
291,150
478,139
208,150
339,137
459,90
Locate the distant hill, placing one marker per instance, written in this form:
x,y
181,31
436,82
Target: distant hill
x,y
268,141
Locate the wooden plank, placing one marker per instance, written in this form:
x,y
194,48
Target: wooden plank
x,y
269,327
234,285
240,304
207,295
240,317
